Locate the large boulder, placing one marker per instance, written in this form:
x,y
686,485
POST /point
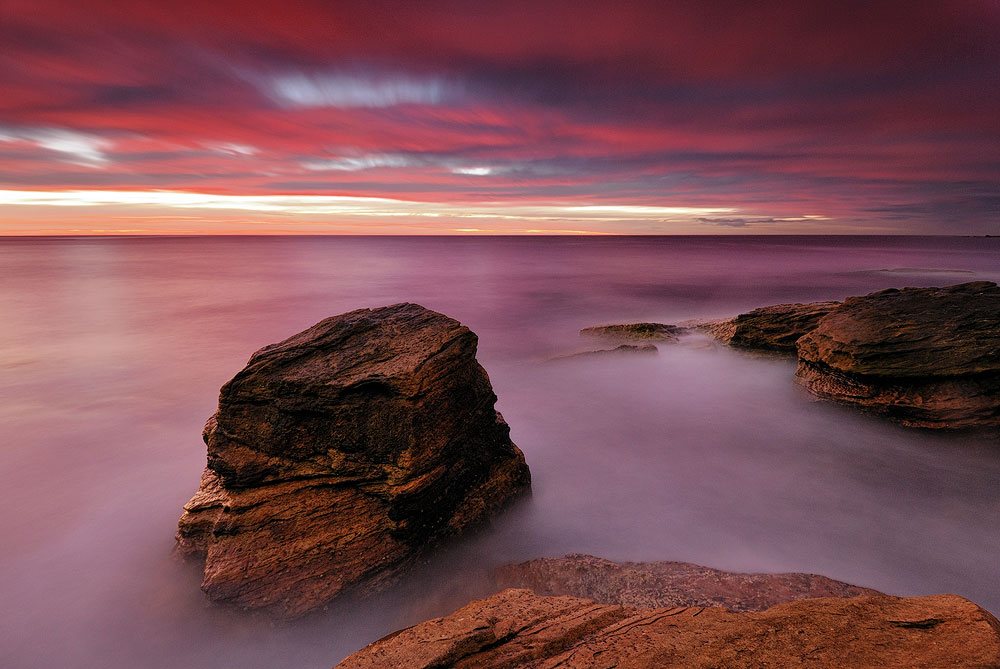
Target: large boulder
x,y
773,328
518,628
339,454
927,357
665,584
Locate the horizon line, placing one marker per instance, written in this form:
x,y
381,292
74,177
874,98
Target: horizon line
x,y
151,235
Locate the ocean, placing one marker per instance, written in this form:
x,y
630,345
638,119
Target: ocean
x,y
112,352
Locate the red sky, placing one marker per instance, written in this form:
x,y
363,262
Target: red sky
x,y
514,117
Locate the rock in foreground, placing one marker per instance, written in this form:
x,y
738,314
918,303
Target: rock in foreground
x,y
625,332
665,584
517,628
774,328
926,357
338,454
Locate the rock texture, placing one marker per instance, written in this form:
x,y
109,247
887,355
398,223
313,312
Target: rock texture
x,y
660,332
666,584
774,328
926,357
338,454
517,628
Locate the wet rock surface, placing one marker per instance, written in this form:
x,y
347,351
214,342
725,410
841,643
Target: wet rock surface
x,y
518,628
626,332
339,454
665,584
926,357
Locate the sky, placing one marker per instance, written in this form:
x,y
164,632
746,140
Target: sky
x,y
499,117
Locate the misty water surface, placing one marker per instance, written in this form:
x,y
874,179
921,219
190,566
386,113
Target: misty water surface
x,y
112,352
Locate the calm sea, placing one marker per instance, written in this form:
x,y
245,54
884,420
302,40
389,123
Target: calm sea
x,y
112,351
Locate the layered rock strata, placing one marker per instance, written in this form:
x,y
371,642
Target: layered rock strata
x,y
339,454
773,328
925,357
520,629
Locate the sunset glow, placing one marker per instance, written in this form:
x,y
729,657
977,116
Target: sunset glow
x,y
410,118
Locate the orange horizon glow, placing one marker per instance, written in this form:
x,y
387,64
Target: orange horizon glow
x,y
89,212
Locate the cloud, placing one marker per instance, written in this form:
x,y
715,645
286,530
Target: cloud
x,y
231,148
742,222
877,118
474,171
347,90
73,147
358,163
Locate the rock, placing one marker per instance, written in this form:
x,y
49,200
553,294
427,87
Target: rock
x,y
926,357
627,349
339,454
517,628
666,584
660,332
774,328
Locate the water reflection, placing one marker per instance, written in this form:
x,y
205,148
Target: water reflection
x,y
112,352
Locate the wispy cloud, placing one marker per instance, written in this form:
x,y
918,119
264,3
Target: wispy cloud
x,y
231,148
742,222
358,163
479,171
348,90
73,147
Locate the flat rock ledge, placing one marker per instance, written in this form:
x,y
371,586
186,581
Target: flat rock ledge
x,y
666,584
340,454
774,328
628,332
925,357
520,629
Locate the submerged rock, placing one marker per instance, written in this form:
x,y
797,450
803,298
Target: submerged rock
x,y
926,357
340,453
518,628
624,349
774,328
665,584
660,332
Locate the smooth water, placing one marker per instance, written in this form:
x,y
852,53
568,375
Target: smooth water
x,y
112,352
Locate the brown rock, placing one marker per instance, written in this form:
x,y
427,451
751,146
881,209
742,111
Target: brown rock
x,y
660,332
927,357
517,628
666,584
774,328
337,455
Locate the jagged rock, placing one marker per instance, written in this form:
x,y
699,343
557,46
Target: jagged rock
x,y
926,357
774,328
517,628
337,455
660,332
626,349
665,584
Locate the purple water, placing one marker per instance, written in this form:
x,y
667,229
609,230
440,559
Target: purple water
x,y
112,352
